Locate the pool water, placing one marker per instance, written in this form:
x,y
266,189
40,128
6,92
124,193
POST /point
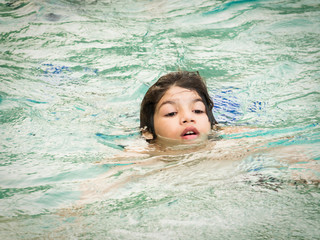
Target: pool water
x,y
72,76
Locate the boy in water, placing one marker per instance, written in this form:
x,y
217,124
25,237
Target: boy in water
x,y
177,110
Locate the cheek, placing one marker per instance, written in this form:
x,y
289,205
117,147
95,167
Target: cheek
x,y
206,124
164,127
158,124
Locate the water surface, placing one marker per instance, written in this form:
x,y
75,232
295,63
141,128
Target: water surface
x,y
72,76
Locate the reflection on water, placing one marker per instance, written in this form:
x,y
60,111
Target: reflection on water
x,y
73,74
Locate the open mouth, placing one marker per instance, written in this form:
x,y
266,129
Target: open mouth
x,y
190,133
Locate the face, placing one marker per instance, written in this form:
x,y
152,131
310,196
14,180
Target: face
x,y
181,115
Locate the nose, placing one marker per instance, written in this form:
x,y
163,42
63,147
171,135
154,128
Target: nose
x,y
186,117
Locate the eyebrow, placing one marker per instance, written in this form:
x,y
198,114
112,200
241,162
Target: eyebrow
x,y
172,102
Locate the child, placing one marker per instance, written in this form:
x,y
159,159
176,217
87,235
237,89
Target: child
x,y
177,108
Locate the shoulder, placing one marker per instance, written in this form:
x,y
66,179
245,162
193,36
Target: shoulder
x,y
234,129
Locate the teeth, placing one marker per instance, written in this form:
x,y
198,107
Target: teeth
x,y
189,132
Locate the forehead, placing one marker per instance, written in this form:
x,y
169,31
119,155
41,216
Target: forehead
x,y
177,93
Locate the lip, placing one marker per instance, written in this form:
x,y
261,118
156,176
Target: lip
x,y
188,137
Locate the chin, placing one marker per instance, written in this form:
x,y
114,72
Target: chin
x,y
167,141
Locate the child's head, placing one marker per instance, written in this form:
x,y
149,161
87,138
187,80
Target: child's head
x,y
177,106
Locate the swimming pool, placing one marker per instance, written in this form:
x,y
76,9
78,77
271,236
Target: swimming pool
x,y
73,74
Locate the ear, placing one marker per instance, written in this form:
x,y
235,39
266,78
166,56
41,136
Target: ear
x,y
147,135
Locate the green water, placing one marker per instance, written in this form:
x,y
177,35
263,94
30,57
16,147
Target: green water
x,y
72,76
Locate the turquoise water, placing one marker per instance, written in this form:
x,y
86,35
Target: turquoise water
x,y
72,76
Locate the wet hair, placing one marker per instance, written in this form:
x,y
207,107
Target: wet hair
x,y
184,79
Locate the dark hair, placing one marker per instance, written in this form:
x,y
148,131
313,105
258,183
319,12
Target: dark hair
x,y
183,79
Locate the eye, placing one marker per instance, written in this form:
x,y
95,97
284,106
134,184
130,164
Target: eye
x,y
170,114
198,111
